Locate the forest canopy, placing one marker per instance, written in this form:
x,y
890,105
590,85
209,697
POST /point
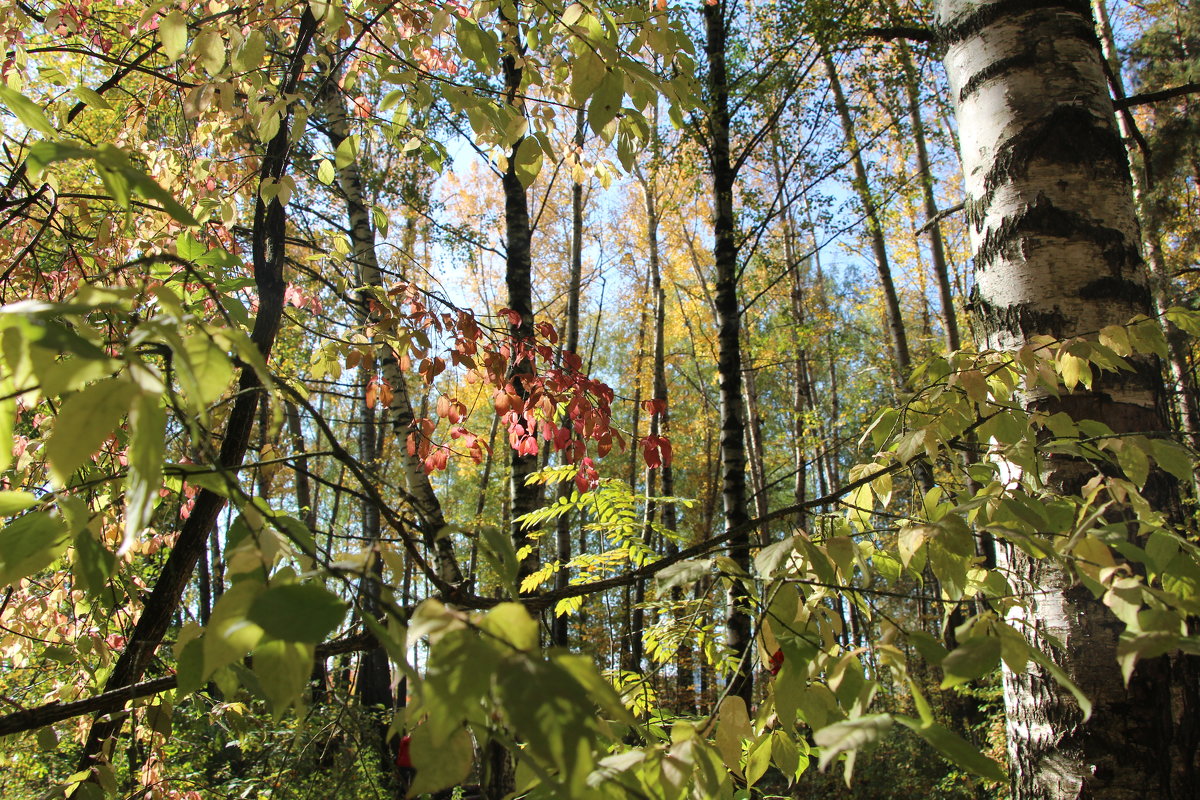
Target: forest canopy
x,y
599,399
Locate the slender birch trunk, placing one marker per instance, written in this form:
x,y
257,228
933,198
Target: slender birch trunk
x,y
729,358
862,187
400,410
937,249
559,628
1056,245
1177,356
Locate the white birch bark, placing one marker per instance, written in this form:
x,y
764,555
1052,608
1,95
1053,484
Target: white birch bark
x,y
1056,247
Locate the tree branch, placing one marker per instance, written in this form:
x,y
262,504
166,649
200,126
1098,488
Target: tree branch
x,y
1146,98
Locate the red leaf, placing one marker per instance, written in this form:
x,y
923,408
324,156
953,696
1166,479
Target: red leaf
x,y
776,662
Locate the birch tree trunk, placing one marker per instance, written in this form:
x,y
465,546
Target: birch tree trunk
x,y
862,187
518,280
400,410
1056,253
729,357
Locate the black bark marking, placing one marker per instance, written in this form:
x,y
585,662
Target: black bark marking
x,y
1043,218
971,24
1068,135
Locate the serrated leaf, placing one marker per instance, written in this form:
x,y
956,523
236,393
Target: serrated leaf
x,y
84,421
298,612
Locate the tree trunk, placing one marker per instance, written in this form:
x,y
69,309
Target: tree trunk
x,y
1177,356
937,250
268,254
518,280
1056,253
729,354
400,411
862,187
559,626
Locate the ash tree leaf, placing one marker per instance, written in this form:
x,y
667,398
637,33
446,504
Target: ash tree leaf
x,y
84,421
956,749
31,544
297,612
28,112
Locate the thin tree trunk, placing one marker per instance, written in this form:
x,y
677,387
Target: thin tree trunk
x,y
1056,241
729,359
267,249
937,250
518,281
1177,355
862,188
559,627
400,411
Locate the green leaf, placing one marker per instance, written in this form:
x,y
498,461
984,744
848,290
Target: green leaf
x,y
148,430
172,33
30,544
325,172
606,101
1173,457
84,421
250,55
956,749
973,658
91,97
29,112
210,46
439,764
207,369
298,612
773,557
15,502
1133,461
851,735
283,670
93,563
512,623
